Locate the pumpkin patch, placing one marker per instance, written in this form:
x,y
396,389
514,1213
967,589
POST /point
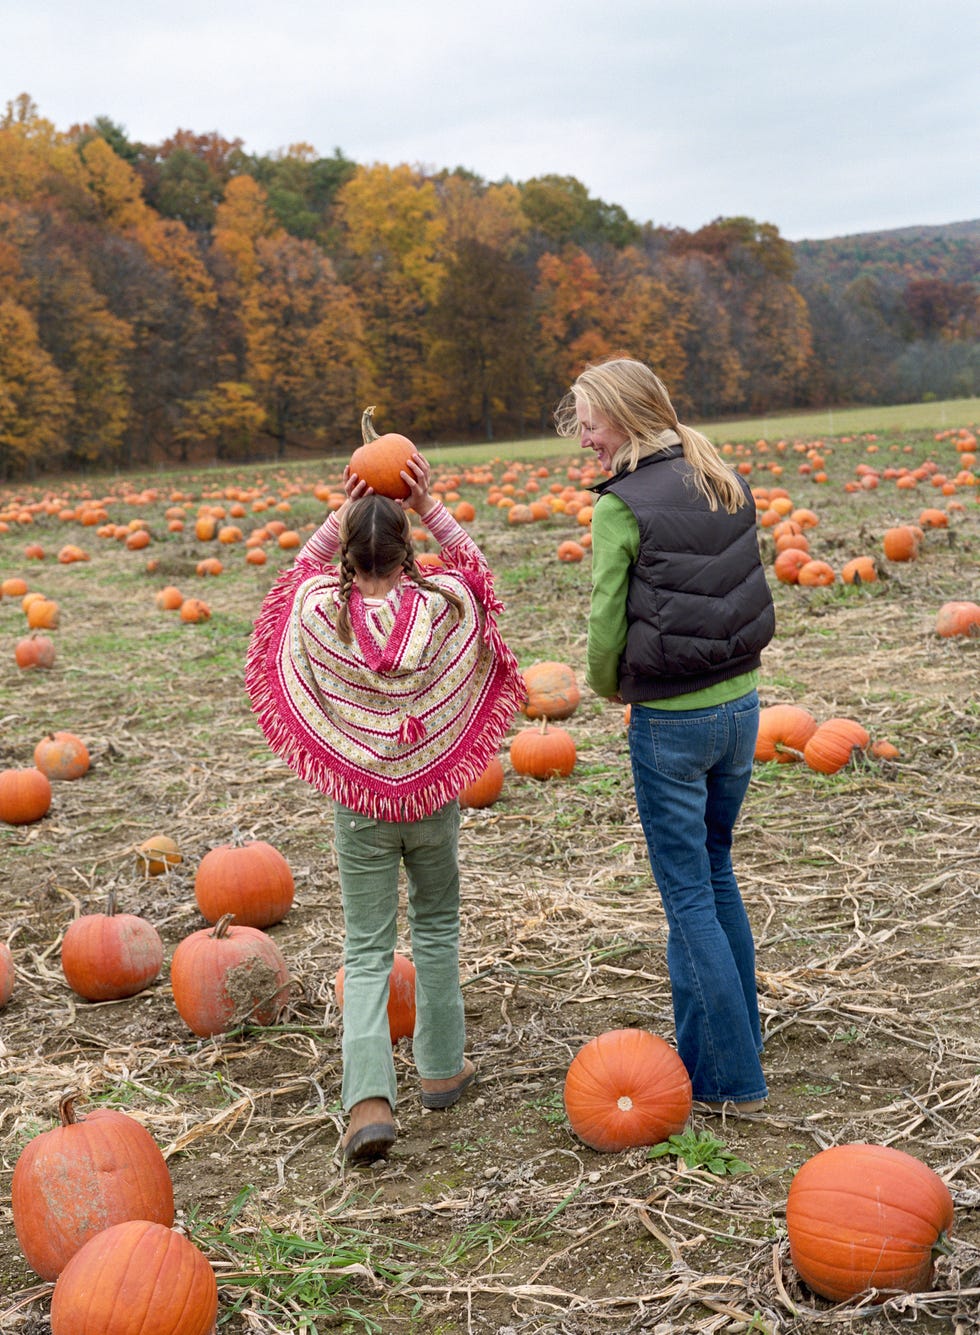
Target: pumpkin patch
x,y
854,870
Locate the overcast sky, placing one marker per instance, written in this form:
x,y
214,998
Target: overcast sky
x,y
824,117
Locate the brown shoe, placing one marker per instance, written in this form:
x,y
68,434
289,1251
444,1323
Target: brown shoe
x,y
371,1133
444,1093
731,1108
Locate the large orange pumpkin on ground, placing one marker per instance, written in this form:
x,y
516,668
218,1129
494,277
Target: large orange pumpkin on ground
x,y
958,618
866,1216
381,459
784,731
485,788
543,753
62,755
108,956
625,1088
25,795
834,743
81,1177
136,1278
253,881
226,976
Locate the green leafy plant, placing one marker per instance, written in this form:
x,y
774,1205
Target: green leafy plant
x,y
700,1149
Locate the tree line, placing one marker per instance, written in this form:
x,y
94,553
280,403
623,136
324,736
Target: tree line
x,y
189,301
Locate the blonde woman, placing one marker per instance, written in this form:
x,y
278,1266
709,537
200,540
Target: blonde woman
x,y
680,613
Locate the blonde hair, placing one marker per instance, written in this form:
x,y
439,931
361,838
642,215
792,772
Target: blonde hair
x,y
376,538
628,395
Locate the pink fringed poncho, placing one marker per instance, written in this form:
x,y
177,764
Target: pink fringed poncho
x,y
397,723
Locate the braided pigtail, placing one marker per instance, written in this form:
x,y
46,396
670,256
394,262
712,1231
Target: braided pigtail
x,y
343,626
420,582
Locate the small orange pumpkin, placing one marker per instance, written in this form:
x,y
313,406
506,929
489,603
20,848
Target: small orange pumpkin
x,y
570,551
958,618
252,881
834,743
543,753
626,1088
380,460
784,731
25,795
486,788
157,854
62,755
900,543
7,974
860,570
108,956
34,651
43,614
552,691
194,611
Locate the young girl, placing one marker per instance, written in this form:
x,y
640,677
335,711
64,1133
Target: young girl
x,y
389,692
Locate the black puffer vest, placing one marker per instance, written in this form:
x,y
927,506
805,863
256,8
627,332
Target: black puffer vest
x,y
699,609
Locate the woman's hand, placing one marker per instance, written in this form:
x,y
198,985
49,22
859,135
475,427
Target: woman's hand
x,y
415,475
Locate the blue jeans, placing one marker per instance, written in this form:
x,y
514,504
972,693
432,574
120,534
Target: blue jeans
x,y
369,855
691,771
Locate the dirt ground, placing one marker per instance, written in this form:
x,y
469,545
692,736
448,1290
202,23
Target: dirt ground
x,y
863,890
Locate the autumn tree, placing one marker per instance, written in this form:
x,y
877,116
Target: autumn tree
x,y
224,417
35,399
390,231
482,318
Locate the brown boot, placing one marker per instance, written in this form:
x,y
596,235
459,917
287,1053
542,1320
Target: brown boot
x,y
370,1132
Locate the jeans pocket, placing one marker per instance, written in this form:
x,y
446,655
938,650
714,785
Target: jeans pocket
x,y
356,833
746,724
684,748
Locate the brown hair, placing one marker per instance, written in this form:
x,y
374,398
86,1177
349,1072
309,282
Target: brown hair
x,y
635,401
376,538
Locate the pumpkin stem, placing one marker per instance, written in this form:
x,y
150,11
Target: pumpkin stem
x,y
368,432
66,1111
222,925
544,724
942,1246
110,904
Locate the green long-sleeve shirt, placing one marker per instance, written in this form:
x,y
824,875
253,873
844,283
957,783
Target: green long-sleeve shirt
x,y
615,548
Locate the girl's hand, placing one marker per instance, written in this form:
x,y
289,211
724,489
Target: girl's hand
x,y
415,475
355,487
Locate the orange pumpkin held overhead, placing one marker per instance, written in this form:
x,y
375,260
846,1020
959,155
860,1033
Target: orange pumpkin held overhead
x,y
381,459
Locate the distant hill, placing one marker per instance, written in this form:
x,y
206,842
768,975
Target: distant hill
x,y
950,252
